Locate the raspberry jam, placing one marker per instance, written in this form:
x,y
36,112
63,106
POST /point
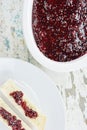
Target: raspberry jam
x,y
12,120
60,28
18,97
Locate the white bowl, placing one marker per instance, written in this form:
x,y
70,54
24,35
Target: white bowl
x,y
34,50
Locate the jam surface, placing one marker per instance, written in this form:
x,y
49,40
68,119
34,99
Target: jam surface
x,y
60,28
12,120
18,97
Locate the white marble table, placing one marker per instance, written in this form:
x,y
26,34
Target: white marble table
x,y
72,86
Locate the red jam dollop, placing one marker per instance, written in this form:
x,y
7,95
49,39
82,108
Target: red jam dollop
x,y
60,28
18,97
12,120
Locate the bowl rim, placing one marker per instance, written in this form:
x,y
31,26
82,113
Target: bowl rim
x,y
73,65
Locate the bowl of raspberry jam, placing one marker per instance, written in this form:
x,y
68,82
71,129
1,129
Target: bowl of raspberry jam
x,y
56,33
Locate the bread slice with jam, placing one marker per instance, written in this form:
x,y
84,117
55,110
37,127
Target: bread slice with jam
x,y
10,118
23,104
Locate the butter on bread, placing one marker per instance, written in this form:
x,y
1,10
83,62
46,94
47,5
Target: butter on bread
x,y
10,87
8,109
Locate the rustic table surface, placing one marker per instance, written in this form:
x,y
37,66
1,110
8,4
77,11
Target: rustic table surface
x,y
72,86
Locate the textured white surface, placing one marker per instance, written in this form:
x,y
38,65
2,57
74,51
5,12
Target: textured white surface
x,y
72,86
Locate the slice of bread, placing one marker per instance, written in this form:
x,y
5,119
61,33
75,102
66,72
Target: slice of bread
x,y
10,87
8,109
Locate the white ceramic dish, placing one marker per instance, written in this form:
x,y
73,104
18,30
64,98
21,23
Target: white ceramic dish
x,y
53,65
47,96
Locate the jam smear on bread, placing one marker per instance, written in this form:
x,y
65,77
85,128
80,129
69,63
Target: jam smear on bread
x,y
12,120
18,97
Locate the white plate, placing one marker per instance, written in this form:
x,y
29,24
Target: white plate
x,y
43,91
